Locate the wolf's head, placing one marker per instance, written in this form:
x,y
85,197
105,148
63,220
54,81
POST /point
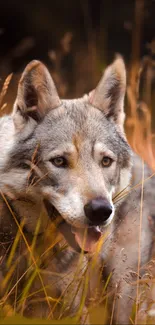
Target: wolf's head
x,y
75,150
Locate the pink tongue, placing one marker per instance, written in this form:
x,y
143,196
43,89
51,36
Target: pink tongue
x,y
87,240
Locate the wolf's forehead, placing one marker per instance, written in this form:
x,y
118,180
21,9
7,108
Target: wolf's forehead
x,y
75,116
77,123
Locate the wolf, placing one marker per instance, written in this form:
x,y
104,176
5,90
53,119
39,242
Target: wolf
x,y
67,163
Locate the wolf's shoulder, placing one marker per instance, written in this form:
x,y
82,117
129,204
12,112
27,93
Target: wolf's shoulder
x,y
141,170
143,177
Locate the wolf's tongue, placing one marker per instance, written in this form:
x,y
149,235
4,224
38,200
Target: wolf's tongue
x,y
80,238
87,239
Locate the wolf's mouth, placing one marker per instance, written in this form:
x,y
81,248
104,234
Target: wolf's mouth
x,y
78,238
87,238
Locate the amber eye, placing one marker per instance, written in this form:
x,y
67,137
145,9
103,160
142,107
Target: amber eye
x,y
59,162
106,161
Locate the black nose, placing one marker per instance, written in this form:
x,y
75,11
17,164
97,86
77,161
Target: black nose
x,y
98,211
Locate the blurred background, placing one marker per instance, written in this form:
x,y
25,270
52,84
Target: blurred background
x,y
76,40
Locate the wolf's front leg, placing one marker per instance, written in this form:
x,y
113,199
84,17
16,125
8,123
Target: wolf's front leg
x,y
122,290
125,262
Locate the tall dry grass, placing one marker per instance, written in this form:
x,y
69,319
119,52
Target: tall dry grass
x,y
141,138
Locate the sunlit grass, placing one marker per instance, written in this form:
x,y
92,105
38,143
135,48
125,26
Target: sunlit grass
x,y
38,258
81,275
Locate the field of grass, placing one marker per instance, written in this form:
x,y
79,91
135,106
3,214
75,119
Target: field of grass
x,y
32,283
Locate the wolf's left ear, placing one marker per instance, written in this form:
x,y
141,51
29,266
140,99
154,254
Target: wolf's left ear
x,y
109,94
36,94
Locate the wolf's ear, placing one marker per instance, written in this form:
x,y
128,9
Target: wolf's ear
x,y
109,93
36,94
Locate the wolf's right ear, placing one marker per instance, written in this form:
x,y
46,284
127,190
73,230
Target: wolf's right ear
x,y
36,94
109,93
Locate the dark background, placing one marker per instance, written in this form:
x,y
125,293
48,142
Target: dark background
x,y
75,38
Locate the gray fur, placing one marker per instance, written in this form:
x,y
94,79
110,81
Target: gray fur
x,y
83,130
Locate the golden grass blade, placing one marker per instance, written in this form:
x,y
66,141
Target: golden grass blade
x,y
5,87
27,287
28,247
134,187
139,245
34,238
83,299
14,246
3,106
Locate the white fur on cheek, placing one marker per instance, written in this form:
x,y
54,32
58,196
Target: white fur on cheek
x,y
124,178
15,179
70,206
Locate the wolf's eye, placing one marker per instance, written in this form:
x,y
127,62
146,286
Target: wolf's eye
x,y
23,165
106,161
59,162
